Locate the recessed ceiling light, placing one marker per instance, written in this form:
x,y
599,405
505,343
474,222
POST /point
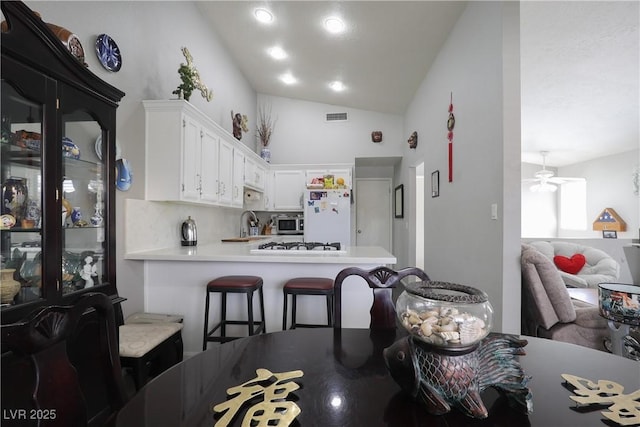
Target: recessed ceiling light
x,y
337,86
334,25
276,52
263,15
288,79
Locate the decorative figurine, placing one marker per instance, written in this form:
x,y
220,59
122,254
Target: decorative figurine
x,y
240,124
440,379
413,140
190,79
89,271
451,356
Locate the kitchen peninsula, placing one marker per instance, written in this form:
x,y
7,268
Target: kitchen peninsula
x,y
176,277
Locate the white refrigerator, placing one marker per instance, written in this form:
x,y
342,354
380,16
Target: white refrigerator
x,y
327,216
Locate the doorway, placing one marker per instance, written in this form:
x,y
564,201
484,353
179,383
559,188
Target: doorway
x,y
419,197
373,212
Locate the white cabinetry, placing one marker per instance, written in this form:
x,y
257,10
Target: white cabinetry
x,y
254,174
208,155
287,190
180,149
339,175
225,173
237,198
189,158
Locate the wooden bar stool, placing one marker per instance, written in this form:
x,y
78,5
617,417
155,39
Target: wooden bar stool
x,y
307,286
234,284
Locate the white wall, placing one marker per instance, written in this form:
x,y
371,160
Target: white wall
x,y
462,243
609,185
302,135
150,36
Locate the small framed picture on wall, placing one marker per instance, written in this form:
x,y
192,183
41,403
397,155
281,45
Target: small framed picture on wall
x,y
398,201
609,234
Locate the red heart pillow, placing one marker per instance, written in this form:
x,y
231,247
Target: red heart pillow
x,y
570,265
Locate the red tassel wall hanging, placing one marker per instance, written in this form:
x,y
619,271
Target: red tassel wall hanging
x,y
451,122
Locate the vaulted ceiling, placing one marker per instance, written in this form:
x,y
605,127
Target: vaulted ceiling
x,y
580,63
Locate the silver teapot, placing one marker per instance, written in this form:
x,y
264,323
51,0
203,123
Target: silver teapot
x,y
189,232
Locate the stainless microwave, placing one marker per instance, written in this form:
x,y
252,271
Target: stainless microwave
x,y
290,224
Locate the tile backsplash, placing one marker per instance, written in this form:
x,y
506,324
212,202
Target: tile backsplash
x,y
154,225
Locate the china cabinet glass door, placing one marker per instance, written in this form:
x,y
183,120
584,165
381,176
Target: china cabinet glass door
x,y
22,189
83,196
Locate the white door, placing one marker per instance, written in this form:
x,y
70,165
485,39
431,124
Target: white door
x,y
373,212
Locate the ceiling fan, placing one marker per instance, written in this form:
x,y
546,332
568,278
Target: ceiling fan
x,y
545,180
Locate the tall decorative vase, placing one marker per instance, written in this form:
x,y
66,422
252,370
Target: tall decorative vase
x,y
265,153
9,287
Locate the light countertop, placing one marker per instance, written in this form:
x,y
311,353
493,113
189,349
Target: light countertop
x,y
240,252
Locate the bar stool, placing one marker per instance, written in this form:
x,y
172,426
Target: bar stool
x,y
307,286
234,284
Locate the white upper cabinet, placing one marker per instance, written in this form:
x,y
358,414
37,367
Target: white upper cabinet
x,y
237,197
181,150
288,189
254,174
208,161
225,173
191,154
189,158
341,177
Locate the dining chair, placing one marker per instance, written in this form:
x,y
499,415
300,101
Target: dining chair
x,y
381,280
61,365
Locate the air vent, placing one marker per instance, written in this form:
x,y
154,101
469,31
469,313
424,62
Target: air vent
x,y
336,117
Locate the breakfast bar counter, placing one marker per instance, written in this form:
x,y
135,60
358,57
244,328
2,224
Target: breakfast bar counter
x,y
241,252
175,281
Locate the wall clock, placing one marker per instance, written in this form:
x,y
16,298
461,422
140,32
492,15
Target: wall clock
x,y
108,53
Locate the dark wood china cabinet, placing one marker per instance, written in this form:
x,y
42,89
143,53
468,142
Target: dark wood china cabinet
x,y
57,169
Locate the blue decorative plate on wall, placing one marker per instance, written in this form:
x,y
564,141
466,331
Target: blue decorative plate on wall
x,y
108,53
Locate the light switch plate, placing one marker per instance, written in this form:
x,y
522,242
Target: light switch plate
x,y
494,211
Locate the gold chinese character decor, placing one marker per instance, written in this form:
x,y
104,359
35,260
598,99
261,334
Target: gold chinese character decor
x,y
272,410
624,409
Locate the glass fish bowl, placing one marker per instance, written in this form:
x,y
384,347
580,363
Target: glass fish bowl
x,y
445,315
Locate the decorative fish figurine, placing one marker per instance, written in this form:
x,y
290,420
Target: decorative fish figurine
x,y
441,379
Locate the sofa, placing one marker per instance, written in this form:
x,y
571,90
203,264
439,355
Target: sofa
x,y
598,266
547,309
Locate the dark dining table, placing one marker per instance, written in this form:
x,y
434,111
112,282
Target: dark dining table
x,y
345,382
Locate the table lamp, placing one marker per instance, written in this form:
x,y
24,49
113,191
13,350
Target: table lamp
x,y
620,304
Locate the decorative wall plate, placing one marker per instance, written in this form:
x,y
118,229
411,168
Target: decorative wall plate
x,y
108,53
98,148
